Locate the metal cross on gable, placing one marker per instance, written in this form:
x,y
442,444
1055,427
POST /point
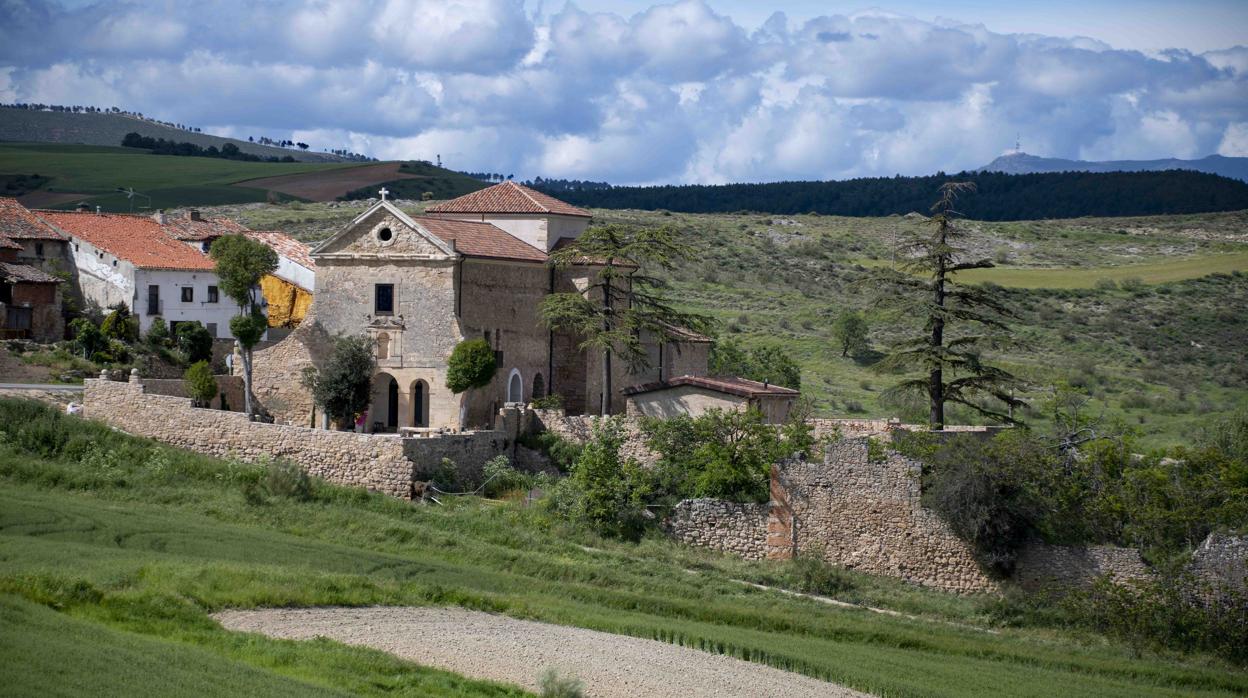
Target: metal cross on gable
x,y
383,193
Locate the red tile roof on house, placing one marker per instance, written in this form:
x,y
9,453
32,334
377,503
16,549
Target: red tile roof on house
x,y
6,243
284,245
185,227
24,273
474,239
742,387
18,223
136,239
508,197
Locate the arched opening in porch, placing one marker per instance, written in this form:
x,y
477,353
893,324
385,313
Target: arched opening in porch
x,y
420,403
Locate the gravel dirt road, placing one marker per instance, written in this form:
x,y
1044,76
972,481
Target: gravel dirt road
x,y
486,646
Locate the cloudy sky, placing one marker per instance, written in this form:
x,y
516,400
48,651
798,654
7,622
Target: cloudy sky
x,y
639,92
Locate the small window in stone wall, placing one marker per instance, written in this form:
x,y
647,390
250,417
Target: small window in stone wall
x,y
383,299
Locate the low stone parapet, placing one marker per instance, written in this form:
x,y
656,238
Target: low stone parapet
x,y
740,529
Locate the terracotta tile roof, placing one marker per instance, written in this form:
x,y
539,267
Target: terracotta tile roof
x,y
24,273
474,239
8,244
508,197
136,239
742,387
18,223
284,245
183,227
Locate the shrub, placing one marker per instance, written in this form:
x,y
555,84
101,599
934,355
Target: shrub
x,y
605,492
286,479
815,576
721,454
194,341
553,401
552,685
500,477
561,452
158,333
472,365
88,340
343,387
768,363
200,383
120,324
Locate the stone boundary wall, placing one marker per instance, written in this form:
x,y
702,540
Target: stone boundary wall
x,y
740,529
1041,565
229,387
868,516
362,460
1222,561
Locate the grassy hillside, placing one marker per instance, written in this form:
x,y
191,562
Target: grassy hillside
x,y
25,125
115,547
68,174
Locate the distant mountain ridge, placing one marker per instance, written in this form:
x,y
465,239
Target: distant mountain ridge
x,y
1023,163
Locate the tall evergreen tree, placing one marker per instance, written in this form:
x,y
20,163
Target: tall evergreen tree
x,y
959,321
623,301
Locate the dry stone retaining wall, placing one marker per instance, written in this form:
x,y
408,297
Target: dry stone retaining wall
x,y
740,529
345,458
1040,565
579,429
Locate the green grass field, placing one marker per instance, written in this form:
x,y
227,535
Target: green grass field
x,y
97,171
114,547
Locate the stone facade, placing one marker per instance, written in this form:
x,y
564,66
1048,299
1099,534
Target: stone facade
x,y
579,429
1221,561
229,388
344,458
740,529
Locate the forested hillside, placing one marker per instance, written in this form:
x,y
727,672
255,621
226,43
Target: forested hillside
x,y
1000,197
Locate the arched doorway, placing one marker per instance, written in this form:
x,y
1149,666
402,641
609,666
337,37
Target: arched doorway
x,y
515,387
420,404
539,387
384,412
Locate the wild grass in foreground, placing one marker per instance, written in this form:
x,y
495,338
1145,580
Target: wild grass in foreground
x,y
129,539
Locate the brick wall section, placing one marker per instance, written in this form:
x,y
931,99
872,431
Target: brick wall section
x,y
740,529
374,462
1040,565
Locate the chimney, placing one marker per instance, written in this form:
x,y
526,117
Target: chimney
x,y
159,217
98,209
193,214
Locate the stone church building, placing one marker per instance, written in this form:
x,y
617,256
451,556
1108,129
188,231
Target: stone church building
x,y
475,266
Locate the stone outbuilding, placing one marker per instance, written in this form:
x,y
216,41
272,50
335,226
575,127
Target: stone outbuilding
x,y
694,395
30,298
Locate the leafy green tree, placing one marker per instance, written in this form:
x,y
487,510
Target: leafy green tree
x,y
194,341
200,383
948,349
240,265
767,363
158,333
472,365
623,303
605,491
87,337
343,387
120,324
725,454
850,330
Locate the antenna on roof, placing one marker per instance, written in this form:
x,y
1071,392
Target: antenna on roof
x,y
131,193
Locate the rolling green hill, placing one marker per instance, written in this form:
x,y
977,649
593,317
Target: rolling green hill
x,y
68,174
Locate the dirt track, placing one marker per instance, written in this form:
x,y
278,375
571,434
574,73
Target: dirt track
x,y
485,646
329,184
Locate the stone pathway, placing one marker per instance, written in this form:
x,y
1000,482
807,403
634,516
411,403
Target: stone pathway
x,y
499,648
